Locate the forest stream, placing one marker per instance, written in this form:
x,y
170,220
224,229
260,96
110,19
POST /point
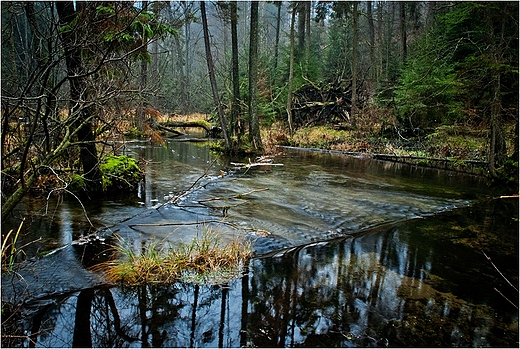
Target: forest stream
x,y
348,252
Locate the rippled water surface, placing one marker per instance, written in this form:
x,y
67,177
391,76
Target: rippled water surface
x,y
349,252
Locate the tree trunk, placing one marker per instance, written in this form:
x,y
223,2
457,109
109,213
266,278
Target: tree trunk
x,y
79,93
371,43
235,104
402,28
301,5
291,72
355,35
277,39
497,146
307,35
186,72
254,124
143,80
211,71
379,66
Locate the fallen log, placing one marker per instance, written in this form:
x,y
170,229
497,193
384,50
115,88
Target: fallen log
x,y
164,128
202,124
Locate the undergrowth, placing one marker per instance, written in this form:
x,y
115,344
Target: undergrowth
x,y
205,260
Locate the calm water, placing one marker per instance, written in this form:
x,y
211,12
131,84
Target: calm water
x,y
350,252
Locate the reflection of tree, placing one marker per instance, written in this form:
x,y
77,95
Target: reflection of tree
x,y
373,290
333,293
194,315
222,317
82,336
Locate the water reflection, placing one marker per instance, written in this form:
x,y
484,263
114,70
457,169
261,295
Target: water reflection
x,y
414,285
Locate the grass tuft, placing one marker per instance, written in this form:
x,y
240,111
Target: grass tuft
x,y
9,250
205,260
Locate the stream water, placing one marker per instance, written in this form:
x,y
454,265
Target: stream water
x,y
348,252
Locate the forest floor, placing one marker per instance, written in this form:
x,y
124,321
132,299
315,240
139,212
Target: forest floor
x,y
456,147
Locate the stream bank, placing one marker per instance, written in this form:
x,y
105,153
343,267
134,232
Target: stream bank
x,y
348,250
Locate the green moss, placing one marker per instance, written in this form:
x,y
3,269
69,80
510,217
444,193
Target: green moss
x,y
120,173
77,183
134,132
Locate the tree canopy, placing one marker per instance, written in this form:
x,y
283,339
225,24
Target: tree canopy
x,y
76,74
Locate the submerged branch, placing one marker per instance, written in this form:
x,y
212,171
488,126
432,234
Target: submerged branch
x,y
507,299
494,266
183,193
237,196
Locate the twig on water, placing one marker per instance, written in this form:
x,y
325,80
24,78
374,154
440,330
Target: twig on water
x,y
260,232
237,196
494,266
500,293
510,284
177,197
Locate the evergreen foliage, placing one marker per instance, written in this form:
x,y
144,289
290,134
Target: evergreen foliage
x,y
447,77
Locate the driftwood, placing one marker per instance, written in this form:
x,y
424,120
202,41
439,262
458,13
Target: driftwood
x,y
322,104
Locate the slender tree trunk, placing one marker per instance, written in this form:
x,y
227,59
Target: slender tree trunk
x,y
235,104
79,94
277,39
291,72
355,35
402,29
155,76
223,322
143,80
371,43
254,124
301,5
497,146
211,71
307,35
379,67
186,74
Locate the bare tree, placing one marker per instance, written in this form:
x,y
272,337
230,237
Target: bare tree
x,y
355,59
63,114
211,71
235,104
254,124
291,71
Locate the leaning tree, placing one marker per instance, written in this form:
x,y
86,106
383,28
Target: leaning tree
x,y
63,65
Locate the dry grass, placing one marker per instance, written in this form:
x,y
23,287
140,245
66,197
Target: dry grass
x,y
205,260
9,250
189,117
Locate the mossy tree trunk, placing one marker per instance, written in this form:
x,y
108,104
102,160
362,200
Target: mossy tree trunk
x,y
81,109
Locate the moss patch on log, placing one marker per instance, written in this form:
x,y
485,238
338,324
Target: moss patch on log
x,y
120,174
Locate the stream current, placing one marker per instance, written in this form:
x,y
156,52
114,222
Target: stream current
x,y
349,252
